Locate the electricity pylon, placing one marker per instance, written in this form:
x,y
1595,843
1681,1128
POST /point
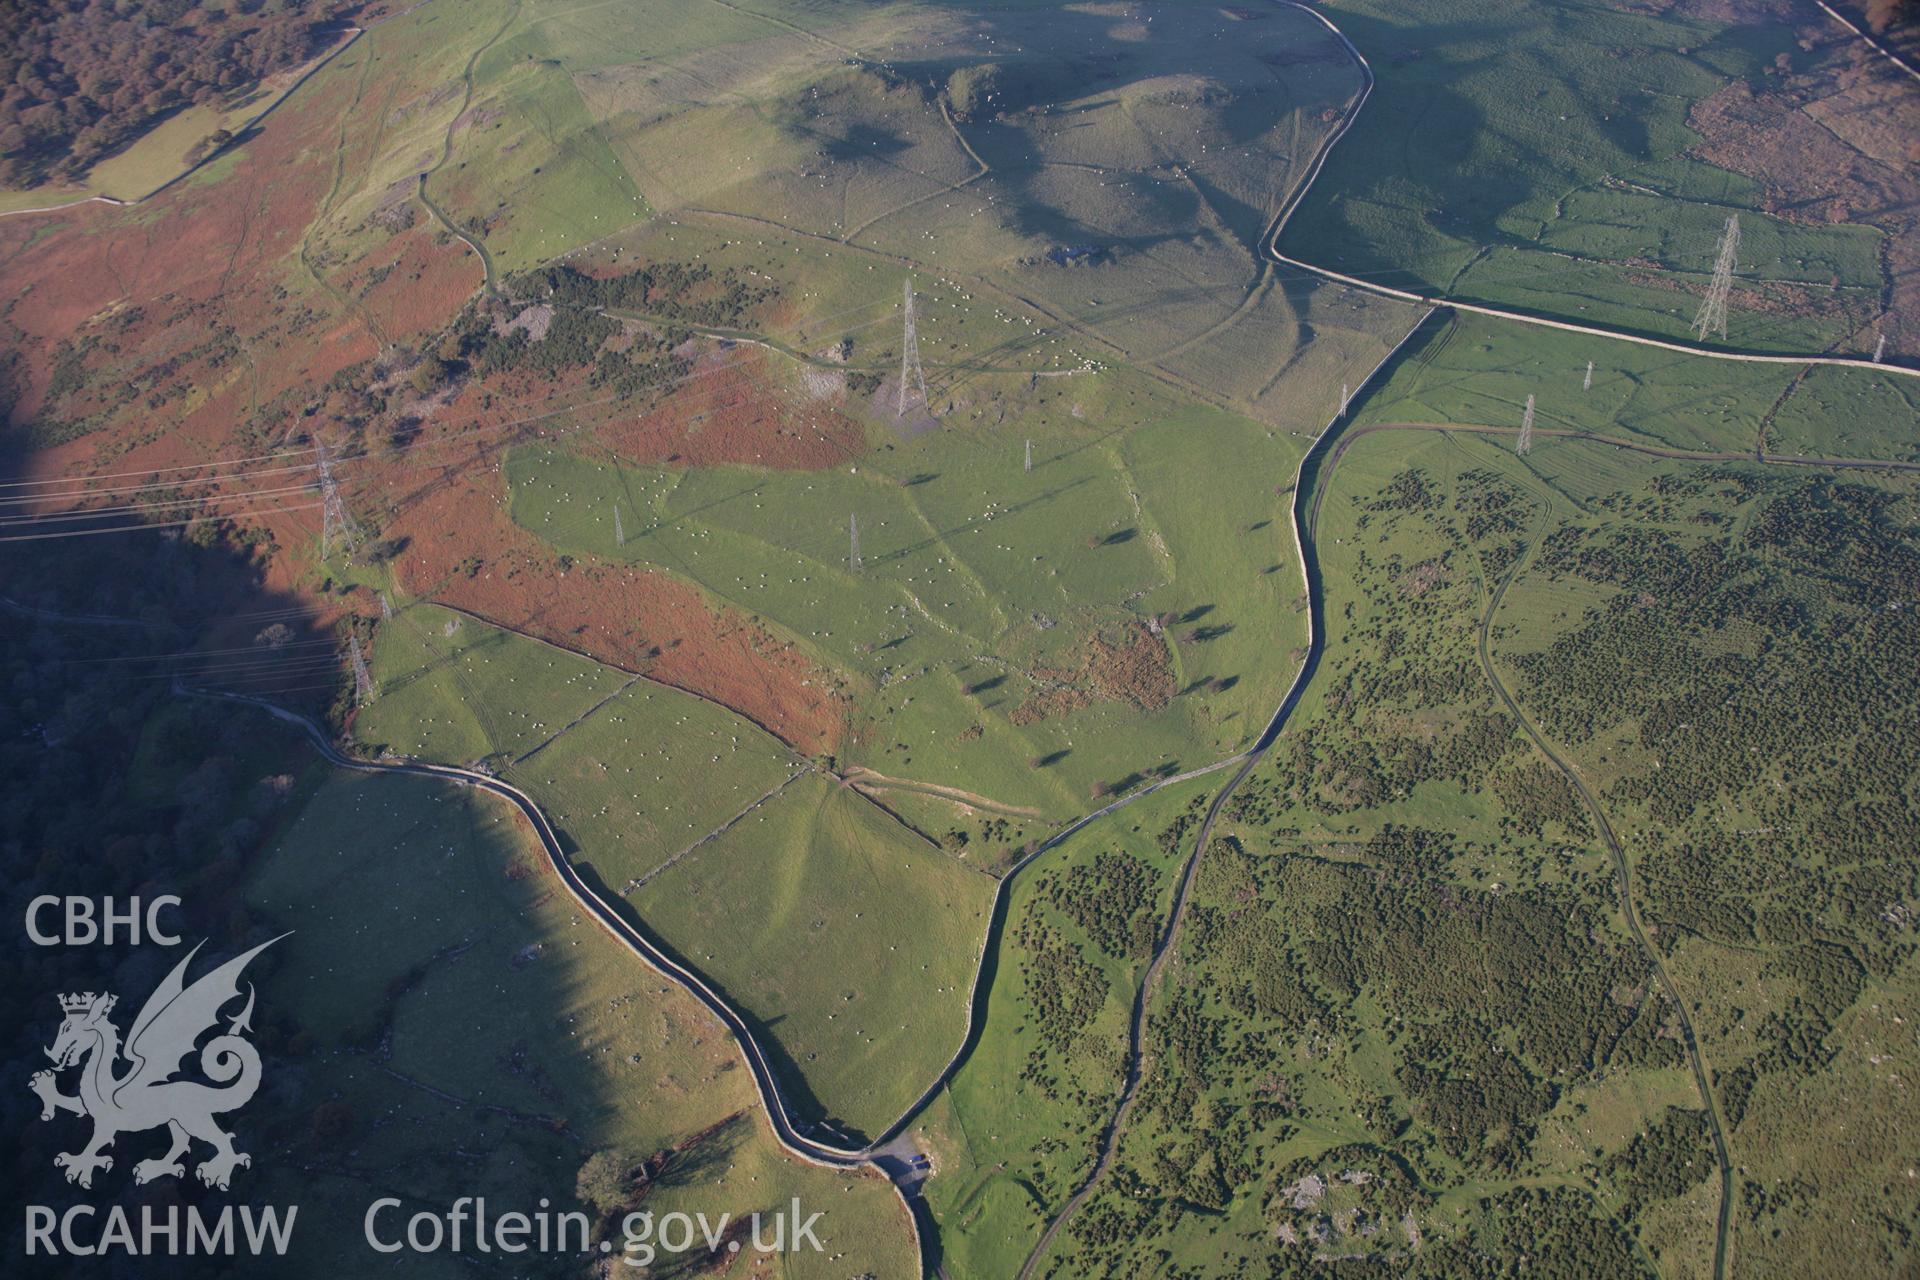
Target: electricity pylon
x,y
619,534
362,683
1525,443
910,370
1588,384
1713,311
333,512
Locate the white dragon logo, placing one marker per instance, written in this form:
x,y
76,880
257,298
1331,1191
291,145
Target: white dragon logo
x,y
146,1096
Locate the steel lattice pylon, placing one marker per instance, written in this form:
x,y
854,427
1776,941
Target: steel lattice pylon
x,y
333,512
1713,311
910,370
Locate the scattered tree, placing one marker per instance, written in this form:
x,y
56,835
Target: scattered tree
x,y
605,1180
208,147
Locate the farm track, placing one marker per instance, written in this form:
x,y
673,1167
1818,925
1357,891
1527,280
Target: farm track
x,y
1270,243
648,677
946,188
1142,1000
446,154
1063,322
976,1001
746,337
346,303
1333,443
448,225
1641,446
1616,852
866,779
247,126
779,1118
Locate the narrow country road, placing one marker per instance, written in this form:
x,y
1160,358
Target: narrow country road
x,y
1302,516
1143,999
1872,43
773,1103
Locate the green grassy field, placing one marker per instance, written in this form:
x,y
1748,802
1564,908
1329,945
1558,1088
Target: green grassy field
x,y
847,937
529,168
454,689
1474,370
1404,868
1408,1025
1407,1018
1536,157
404,86
456,1028
1405,852
851,941
981,584
1408,852
1849,413
1399,729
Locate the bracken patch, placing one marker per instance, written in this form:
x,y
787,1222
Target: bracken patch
x,y
1136,670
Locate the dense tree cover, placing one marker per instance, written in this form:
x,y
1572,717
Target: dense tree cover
x,y
1491,998
605,1180
1065,993
573,339
1754,652
971,89
579,332
1064,927
1490,1003
685,293
1543,1233
83,78
1535,794
1767,677
1752,642
1112,900
1665,1161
